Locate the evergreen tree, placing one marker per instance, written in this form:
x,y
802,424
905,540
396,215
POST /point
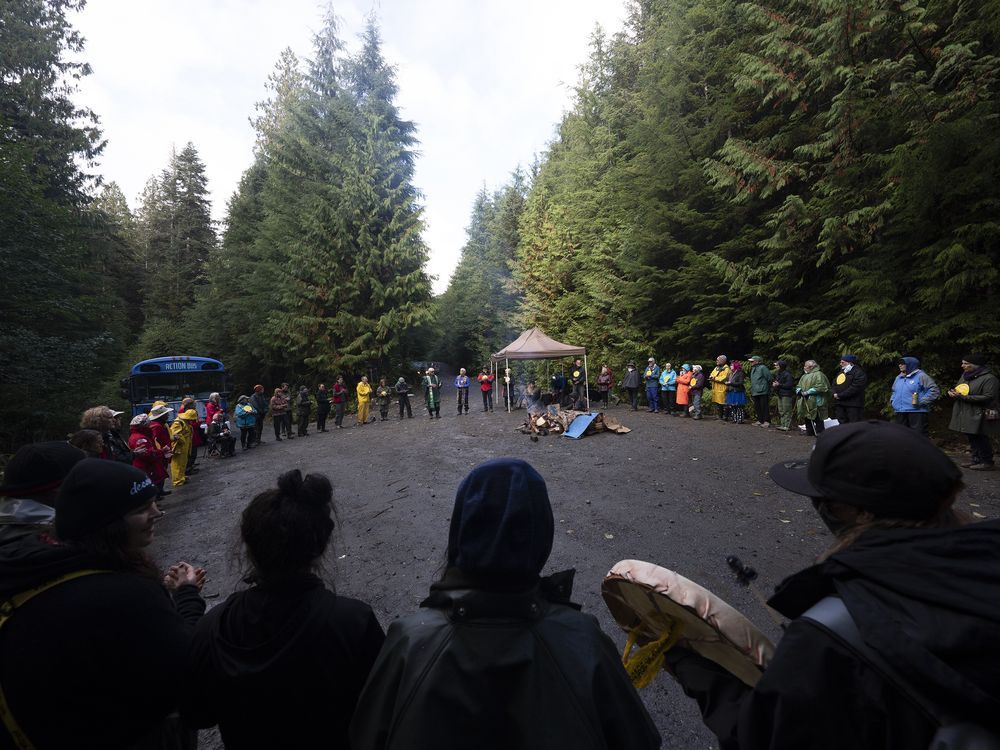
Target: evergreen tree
x,y
53,306
341,218
177,235
390,291
859,104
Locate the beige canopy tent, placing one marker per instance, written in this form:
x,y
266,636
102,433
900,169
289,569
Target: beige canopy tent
x,y
534,344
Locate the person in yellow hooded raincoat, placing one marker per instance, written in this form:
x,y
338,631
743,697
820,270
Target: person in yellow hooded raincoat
x,y
181,435
364,399
718,378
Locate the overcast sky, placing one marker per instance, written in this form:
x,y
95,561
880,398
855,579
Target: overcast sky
x,y
485,82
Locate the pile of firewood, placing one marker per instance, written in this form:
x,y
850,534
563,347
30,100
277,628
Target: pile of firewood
x,y
558,423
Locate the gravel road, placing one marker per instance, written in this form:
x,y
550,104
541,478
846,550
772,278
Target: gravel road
x,y
677,492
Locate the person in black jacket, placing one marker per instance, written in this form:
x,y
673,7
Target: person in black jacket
x,y
281,664
303,408
784,389
96,659
403,394
849,391
322,407
922,589
498,657
630,382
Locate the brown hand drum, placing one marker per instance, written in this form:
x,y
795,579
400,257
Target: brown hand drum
x,y
656,605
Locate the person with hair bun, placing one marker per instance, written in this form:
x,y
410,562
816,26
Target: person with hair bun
x,y
282,663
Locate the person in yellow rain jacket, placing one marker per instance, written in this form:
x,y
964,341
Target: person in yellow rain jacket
x,y
364,399
181,430
718,378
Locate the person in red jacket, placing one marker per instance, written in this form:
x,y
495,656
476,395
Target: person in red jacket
x,y
486,386
161,434
212,407
146,455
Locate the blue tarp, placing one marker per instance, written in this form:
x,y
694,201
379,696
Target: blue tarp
x,y
580,425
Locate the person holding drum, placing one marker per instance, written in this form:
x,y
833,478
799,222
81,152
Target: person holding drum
x,y
892,641
498,657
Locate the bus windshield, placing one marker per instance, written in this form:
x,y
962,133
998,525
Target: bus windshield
x,y
173,386
171,379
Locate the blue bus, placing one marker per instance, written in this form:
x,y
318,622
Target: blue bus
x,y
170,379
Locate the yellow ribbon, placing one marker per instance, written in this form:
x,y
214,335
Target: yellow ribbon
x,y
646,661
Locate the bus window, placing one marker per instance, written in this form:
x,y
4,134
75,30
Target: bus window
x,y
174,386
170,379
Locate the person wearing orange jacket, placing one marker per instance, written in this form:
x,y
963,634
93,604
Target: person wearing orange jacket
x,y
684,389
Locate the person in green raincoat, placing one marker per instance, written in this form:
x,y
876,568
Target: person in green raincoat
x,y
432,392
812,397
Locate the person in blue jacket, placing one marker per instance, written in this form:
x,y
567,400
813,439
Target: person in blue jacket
x,y
246,420
913,392
652,377
462,386
668,388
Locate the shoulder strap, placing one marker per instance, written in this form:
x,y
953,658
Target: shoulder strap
x,y
832,615
7,607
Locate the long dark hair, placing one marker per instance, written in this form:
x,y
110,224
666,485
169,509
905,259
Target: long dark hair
x,y
286,531
944,517
108,546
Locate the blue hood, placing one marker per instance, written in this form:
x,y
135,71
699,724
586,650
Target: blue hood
x,y
912,363
501,526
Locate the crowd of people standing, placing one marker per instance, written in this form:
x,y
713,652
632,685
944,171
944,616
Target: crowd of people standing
x,y
735,392
732,391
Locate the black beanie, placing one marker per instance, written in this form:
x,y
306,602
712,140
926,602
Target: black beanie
x,y
97,492
975,359
39,467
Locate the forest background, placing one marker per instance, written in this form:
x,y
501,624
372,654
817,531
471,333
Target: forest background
x,y
795,179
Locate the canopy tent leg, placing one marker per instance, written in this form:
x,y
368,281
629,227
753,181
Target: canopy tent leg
x,y
506,366
586,371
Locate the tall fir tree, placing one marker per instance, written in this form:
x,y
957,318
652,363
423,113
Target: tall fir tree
x,y
55,300
341,216
178,235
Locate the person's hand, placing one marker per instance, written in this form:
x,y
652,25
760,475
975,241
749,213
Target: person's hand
x,y
836,396
168,454
798,391
184,574
952,392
